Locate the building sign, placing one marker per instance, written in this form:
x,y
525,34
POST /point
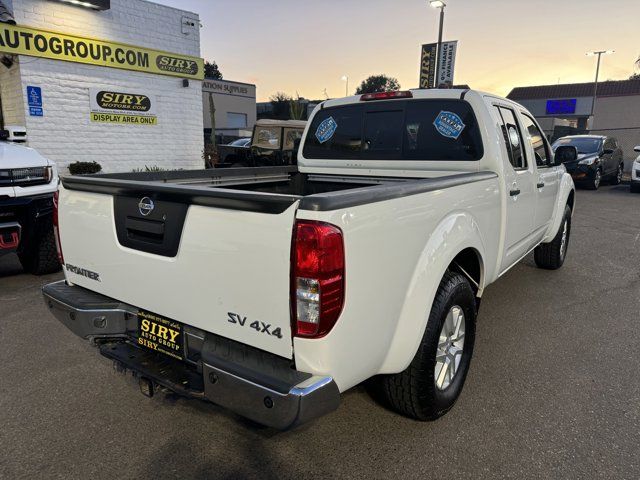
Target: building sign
x,y
34,99
228,88
109,106
447,56
562,107
59,46
428,65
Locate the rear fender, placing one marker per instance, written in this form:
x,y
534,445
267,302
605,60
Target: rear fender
x,y
455,233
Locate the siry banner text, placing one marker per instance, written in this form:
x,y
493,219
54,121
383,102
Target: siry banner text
x,y
59,46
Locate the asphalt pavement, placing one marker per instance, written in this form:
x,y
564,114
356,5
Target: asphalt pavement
x,y
553,390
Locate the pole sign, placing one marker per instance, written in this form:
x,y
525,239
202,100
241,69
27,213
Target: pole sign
x,y
34,100
15,40
447,56
428,65
109,106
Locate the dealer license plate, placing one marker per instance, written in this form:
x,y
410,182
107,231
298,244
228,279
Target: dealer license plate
x,y
160,334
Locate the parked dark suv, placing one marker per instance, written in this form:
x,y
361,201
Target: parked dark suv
x,y
599,158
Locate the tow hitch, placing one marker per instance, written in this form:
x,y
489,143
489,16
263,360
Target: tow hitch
x,y
9,236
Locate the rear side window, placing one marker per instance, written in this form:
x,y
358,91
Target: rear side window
x,y
512,137
396,130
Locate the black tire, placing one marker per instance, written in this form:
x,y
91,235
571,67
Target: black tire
x,y
41,257
635,188
596,181
617,178
551,256
413,392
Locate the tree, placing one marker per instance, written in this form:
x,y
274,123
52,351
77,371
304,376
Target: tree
x,y
211,70
378,83
635,76
281,103
296,108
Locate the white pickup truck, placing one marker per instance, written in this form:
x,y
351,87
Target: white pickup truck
x,y
27,184
271,290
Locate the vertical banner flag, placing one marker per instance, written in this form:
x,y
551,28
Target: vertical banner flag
x,y
447,55
428,65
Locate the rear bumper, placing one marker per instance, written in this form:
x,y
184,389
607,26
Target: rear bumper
x,y
253,383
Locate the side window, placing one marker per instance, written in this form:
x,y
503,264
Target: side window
x,y
512,138
536,138
610,143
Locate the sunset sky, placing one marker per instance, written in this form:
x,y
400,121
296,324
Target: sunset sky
x,y
306,46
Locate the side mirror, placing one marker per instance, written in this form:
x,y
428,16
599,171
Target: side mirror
x,y
636,149
607,151
564,154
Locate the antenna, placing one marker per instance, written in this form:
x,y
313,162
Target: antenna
x,y
327,95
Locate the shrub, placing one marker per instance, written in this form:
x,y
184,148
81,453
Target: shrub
x,y
83,168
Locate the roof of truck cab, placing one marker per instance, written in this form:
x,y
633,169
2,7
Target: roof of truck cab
x,y
282,123
444,93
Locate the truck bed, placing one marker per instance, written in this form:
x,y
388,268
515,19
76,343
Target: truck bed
x,y
265,189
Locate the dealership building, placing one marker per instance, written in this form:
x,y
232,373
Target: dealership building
x,y
234,104
118,82
570,109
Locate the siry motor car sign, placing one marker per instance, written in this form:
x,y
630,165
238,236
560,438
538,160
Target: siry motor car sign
x,y
59,46
110,106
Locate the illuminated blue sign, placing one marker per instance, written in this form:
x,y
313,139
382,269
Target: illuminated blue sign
x,y
561,107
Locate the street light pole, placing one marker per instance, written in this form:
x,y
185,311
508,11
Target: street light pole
x,y
599,53
345,78
438,4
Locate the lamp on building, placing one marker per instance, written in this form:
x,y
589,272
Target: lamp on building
x,y
94,4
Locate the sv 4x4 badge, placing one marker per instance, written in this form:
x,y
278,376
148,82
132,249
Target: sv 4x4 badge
x,y
259,327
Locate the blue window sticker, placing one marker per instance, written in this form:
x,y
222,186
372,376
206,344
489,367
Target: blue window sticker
x,y
449,125
326,130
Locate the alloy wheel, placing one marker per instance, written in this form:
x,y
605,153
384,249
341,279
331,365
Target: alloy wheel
x,y
450,348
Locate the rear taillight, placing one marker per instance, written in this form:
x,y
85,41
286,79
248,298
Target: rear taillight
x,y
56,227
385,96
317,278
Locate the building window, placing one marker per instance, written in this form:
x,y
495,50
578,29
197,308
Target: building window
x,y
236,120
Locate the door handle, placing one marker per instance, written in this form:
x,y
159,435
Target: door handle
x,y
540,185
514,193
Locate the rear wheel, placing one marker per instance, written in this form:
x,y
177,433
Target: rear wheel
x,y
40,255
550,256
635,188
431,384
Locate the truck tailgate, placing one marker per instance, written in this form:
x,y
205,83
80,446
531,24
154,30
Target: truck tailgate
x,y
223,271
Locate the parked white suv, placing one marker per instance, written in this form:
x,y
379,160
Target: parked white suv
x,y
27,185
271,290
635,173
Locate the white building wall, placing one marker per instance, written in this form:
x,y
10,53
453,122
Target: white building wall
x,y
66,134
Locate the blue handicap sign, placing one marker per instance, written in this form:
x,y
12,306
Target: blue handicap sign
x,y
34,99
449,125
34,96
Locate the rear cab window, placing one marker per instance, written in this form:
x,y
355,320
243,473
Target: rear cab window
x,y
433,129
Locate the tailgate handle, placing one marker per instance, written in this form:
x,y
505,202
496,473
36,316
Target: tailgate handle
x,y
149,227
